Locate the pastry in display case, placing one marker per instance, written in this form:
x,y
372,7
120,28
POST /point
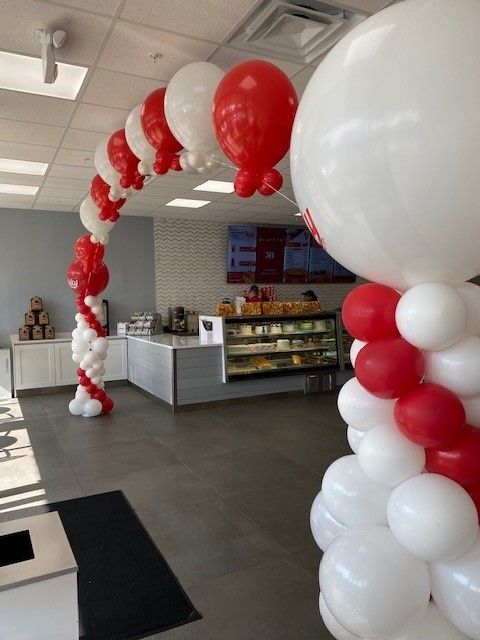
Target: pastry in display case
x,y
258,347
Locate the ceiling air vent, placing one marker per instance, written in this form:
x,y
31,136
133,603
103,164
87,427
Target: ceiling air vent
x,y
295,30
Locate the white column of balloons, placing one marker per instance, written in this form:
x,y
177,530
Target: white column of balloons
x,y
385,167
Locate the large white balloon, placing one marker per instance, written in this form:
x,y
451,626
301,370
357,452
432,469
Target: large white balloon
x,y
188,108
457,367
354,437
372,586
104,167
137,141
470,294
361,410
384,154
351,497
89,213
92,408
472,410
456,590
433,517
354,349
386,456
334,627
431,316
323,525
434,626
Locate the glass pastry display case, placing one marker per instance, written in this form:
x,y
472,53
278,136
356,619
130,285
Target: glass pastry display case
x,y
263,346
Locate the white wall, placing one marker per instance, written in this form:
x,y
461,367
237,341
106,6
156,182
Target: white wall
x,y
35,249
191,269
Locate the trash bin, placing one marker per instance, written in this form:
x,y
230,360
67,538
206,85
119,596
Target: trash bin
x,y
320,382
38,580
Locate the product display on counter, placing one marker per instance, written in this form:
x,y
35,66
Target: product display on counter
x,y
144,323
37,322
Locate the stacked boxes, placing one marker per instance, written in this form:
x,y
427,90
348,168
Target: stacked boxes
x,y
37,322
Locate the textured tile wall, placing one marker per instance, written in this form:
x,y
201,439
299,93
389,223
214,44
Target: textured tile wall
x,y
191,263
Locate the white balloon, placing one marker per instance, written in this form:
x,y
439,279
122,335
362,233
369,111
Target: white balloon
x,y
434,626
104,167
137,141
470,294
188,106
75,407
196,159
97,309
371,159
79,346
89,335
89,213
323,525
97,364
431,316
351,497
372,585
100,345
361,410
354,349
456,590
101,385
78,317
92,408
386,456
90,358
77,334
457,367
76,357
91,301
334,627
96,379
101,371
354,437
472,410
433,517
84,363
103,356
81,393
91,372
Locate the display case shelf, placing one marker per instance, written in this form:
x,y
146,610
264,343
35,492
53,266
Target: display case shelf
x,y
319,353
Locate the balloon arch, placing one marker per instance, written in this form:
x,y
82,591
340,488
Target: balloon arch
x,y
385,168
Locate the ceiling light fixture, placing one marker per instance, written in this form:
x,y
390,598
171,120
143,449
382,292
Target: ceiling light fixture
x,y
218,186
19,189
299,215
25,74
7,165
185,202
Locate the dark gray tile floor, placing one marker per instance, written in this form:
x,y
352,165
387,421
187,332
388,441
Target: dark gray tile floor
x,y
224,493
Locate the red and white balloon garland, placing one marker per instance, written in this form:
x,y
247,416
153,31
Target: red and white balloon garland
x,y
202,109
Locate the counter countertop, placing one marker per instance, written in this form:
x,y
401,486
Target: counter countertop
x,y
59,337
175,342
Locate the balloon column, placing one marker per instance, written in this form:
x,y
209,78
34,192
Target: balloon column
x,y
380,135
201,108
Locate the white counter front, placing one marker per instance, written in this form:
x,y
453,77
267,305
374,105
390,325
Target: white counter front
x,y
175,342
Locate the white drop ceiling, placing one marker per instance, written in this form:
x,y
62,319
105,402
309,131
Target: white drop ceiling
x,y
114,38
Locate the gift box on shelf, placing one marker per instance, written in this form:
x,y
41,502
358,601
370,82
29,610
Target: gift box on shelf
x,y
25,333
36,303
43,317
37,332
30,318
49,332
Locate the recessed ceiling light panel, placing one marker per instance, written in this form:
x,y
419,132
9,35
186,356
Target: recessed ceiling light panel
x,y
18,189
7,165
218,186
25,74
185,202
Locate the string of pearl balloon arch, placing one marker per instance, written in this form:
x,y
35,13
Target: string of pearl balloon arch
x,y
204,112
385,166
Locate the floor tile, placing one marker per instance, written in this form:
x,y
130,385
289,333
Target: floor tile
x,y
111,460
87,434
209,539
18,502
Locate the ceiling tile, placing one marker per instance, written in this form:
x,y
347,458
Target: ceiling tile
x,y
85,32
65,171
129,45
65,183
48,192
36,109
28,133
119,90
226,58
76,158
84,140
26,152
105,7
207,19
20,178
9,199
96,118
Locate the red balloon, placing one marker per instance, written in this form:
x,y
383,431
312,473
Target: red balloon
x,y
389,367
430,415
107,405
157,131
124,160
99,395
245,183
368,312
460,460
84,381
91,254
99,191
85,284
80,372
92,388
253,112
270,182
